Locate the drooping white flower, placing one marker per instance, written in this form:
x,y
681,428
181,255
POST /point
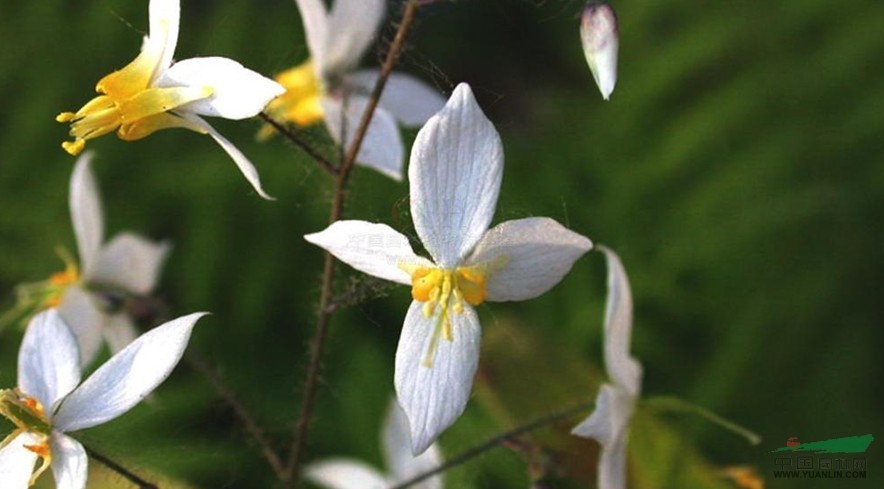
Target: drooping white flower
x,y
601,41
344,473
615,404
153,93
328,86
455,175
50,401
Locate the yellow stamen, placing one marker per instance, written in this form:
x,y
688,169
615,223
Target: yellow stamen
x,y
300,104
45,452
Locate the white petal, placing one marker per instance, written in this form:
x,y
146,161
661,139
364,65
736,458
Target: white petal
x,y
83,315
623,369
70,466
609,425
527,257
411,101
238,92
128,377
315,20
598,31
375,249
119,332
397,449
130,262
455,173
381,148
341,473
245,166
434,396
86,213
165,16
351,27
17,462
48,360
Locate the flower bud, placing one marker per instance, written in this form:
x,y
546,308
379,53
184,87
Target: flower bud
x,y
598,31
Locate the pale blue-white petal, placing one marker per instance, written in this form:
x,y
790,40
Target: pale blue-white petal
x,y
434,376
70,466
237,92
622,368
86,213
352,25
48,360
609,425
403,465
128,377
315,20
381,147
411,101
165,17
342,473
527,257
17,462
375,249
81,311
131,263
455,173
119,332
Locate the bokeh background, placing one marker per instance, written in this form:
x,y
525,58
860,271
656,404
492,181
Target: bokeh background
x,y
738,170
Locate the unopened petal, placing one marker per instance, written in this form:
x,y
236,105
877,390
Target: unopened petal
x,y
48,360
81,312
403,465
237,92
17,462
70,466
86,213
342,473
455,173
130,262
352,25
245,166
381,147
375,249
527,257
434,375
600,36
622,368
128,377
411,101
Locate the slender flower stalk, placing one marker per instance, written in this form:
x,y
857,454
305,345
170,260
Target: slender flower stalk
x,y
153,93
50,401
455,175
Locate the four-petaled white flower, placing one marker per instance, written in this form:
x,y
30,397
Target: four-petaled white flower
x,y
455,175
153,93
329,87
601,41
128,265
343,473
615,404
50,400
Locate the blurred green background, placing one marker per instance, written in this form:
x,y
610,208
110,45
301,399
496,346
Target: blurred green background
x,y
738,170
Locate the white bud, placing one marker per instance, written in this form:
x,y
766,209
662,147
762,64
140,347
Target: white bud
x,y
598,31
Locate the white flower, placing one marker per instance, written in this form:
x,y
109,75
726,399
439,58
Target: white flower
x,y
598,31
615,404
127,265
152,93
455,174
343,473
329,87
50,400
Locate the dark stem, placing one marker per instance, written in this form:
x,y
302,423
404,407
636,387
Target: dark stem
x,y
138,481
317,347
293,137
494,442
251,426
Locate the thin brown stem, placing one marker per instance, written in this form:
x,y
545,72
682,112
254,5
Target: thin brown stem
x,y
131,477
294,138
245,417
494,442
317,347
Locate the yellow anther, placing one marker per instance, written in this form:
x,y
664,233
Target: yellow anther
x,y
43,450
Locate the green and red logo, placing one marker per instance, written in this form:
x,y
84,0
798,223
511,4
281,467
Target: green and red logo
x,y
850,444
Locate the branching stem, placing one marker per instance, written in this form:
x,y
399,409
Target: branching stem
x,y
131,477
294,138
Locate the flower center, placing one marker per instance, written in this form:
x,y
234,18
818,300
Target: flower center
x,y
28,415
300,104
129,105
